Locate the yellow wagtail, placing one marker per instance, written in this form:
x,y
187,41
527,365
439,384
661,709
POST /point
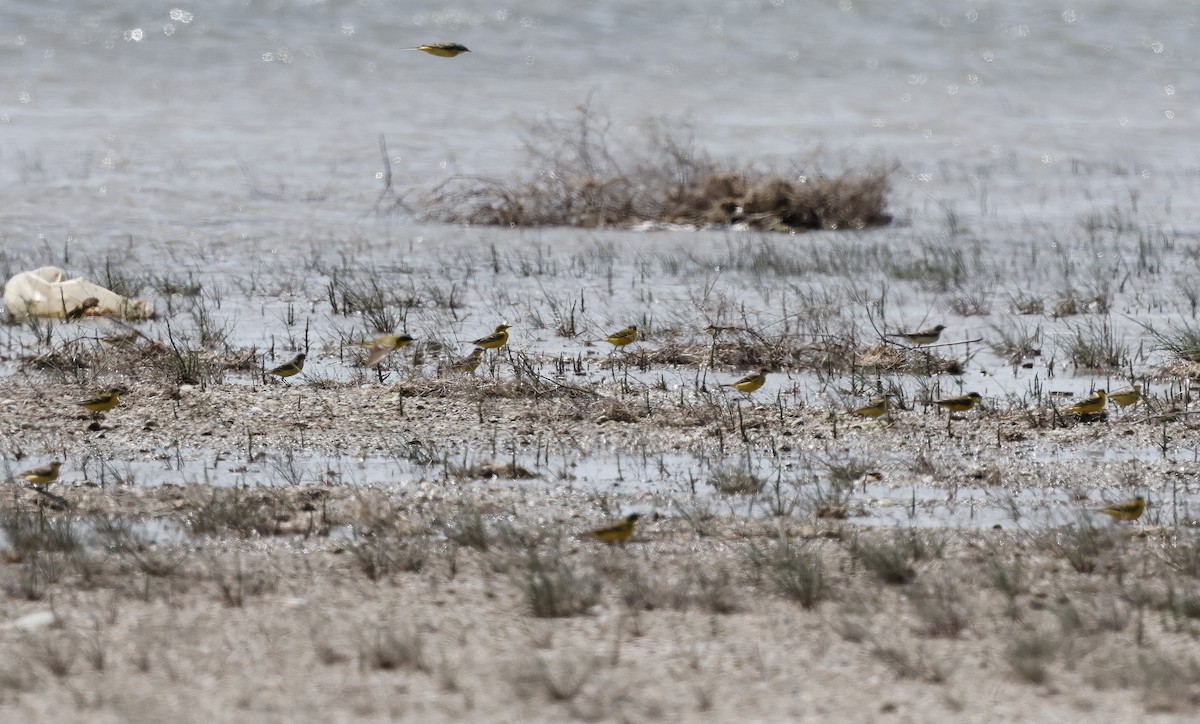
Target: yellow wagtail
x,y
750,382
380,347
102,403
1090,406
622,337
442,50
469,363
875,408
287,369
617,532
921,337
1126,396
1126,509
496,339
961,403
42,475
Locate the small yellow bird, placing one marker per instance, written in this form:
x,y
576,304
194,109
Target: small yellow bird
x,y
616,533
921,337
875,408
1125,510
380,347
750,382
102,403
1126,396
496,339
958,404
287,369
442,50
1090,406
469,363
42,475
623,337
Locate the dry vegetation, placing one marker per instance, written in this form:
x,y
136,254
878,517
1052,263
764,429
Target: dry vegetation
x,y
279,568
139,600
582,174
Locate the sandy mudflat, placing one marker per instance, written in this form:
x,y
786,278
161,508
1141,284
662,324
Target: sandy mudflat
x,y
340,600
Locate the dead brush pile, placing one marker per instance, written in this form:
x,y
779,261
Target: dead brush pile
x,y
578,177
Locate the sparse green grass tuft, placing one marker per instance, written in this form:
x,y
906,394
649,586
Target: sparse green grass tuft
x,y
238,512
909,663
735,481
554,588
1093,345
120,536
390,649
940,609
29,532
1030,653
715,591
892,558
382,553
1081,544
562,682
56,650
236,583
467,528
796,571
1181,341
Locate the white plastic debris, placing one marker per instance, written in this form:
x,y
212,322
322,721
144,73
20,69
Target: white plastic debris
x,y
44,293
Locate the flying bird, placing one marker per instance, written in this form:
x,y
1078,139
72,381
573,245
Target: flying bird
x,y
442,50
1126,509
381,347
921,337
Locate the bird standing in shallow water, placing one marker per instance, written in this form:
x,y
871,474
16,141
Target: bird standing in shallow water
x,y
496,339
287,369
750,382
875,408
623,337
42,475
961,403
616,533
1125,510
1090,406
1126,396
102,403
468,363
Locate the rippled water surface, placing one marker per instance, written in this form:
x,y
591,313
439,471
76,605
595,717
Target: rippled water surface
x,y
236,144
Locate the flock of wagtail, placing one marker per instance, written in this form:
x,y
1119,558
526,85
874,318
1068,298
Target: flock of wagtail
x,y
378,348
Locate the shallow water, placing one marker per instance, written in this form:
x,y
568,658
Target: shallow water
x,y
1037,152
263,118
